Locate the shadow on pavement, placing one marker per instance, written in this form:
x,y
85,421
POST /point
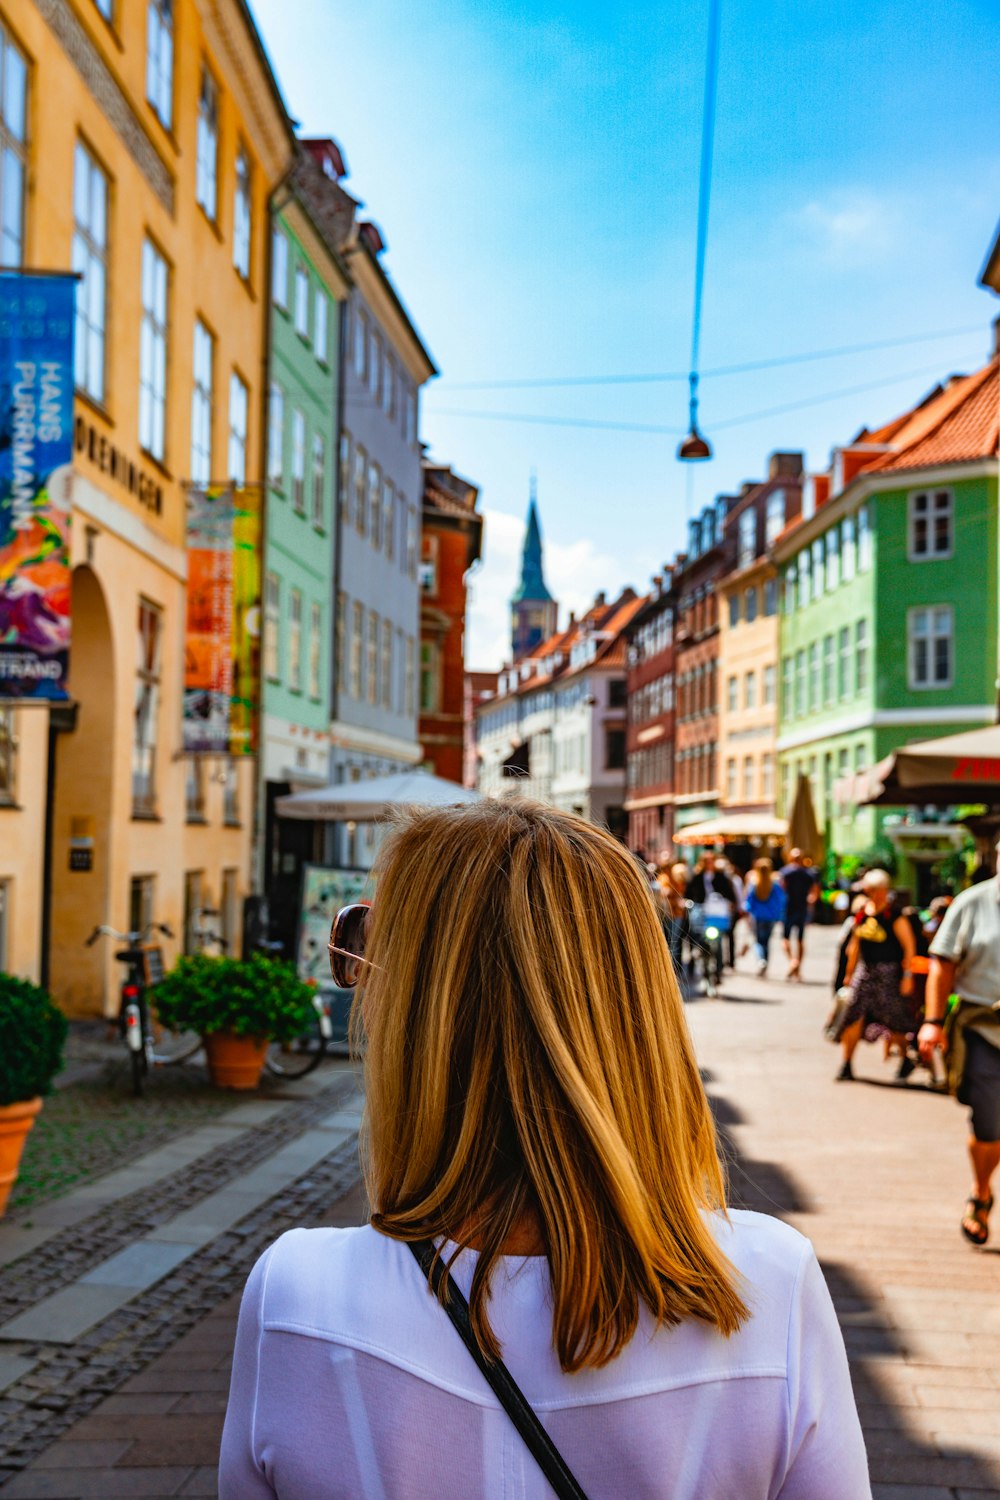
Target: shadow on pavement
x,y
902,1465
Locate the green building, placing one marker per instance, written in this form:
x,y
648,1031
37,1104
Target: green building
x,y
889,598
309,286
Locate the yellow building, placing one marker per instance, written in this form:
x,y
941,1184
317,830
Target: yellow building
x,y
139,145
748,688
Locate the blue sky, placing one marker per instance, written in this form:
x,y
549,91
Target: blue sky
x,y
533,168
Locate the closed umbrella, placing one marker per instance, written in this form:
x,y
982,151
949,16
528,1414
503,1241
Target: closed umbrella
x,y
803,830
367,801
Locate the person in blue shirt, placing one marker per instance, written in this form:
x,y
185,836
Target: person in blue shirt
x,y
766,903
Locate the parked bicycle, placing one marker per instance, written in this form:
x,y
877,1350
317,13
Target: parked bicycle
x,y
134,1020
297,1058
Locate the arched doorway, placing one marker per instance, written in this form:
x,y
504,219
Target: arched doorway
x,y
80,873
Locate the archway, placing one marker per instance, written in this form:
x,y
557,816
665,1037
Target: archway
x,y
84,774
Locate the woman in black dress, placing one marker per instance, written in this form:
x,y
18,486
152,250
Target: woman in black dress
x,y
879,971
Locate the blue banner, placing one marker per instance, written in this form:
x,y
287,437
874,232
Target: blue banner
x,y
36,452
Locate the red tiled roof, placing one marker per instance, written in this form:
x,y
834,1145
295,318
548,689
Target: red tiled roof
x,y
609,619
959,422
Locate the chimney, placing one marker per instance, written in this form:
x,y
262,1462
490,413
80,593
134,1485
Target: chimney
x,y
572,619
996,337
784,466
600,600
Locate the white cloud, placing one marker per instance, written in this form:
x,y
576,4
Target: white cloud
x,y
850,229
574,571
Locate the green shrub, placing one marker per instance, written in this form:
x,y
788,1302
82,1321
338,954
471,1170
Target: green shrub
x,y
32,1032
257,997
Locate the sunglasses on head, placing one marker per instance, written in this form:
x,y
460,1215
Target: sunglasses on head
x,y
348,937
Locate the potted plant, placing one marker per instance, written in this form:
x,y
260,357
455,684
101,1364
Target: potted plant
x,y
238,1006
32,1032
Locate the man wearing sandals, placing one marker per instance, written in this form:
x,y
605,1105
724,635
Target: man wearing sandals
x,y
965,959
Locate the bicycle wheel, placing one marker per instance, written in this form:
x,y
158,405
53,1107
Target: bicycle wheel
x,y
296,1059
176,1047
140,1068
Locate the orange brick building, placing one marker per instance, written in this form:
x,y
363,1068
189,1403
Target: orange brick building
x,y
452,540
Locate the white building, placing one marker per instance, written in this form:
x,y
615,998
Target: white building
x,y
556,729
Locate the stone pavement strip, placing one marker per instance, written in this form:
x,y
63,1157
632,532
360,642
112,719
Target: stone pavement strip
x,y
874,1173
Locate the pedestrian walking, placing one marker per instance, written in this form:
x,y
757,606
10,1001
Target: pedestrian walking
x,y
739,908
800,883
765,902
708,879
879,973
965,958
539,1145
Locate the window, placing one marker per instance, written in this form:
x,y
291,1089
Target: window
x,y
832,558
732,691
819,566
302,301
750,690
371,664
106,7
318,480
320,326
748,779
829,667
775,522
279,270
299,460
771,597
295,640
194,790
206,169
357,645
229,907
242,215
860,758
748,538
375,371
276,435
731,780
386,664
411,541
930,523
340,640
13,149
389,518
800,683
805,578
844,662
194,901
90,261
770,684
428,575
847,553
861,656
141,893
767,776
389,385
239,402
153,353
272,627
618,692
734,610
8,746
360,482
864,540
201,405
147,710
931,631
429,679
374,504
814,698
614,754
791,588
344,474
361,345
160,58
751,605
787,687
408,699
231,797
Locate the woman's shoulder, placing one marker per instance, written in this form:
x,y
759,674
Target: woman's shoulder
x,y
310,1276
758,1243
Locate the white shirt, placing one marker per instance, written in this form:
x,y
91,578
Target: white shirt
x,y
349,1380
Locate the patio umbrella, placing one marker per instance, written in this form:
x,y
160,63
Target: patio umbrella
x,y
940,772
803,830
366,801
732,829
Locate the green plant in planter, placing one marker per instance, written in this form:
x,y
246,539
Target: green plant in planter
x,y
255,997
32,1033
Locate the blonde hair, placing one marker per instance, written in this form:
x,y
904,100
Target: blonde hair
x,y
527,1057
764,881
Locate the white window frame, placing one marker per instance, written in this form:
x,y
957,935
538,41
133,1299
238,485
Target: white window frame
x,y
862,663
160,60
750,690
8,761
295,640
933,613
148,685
774,521
279,268
318,480
732,693
299,460
749,778
932,510
747,537
91,207
272,627
731,779
202,404
13,150
315,651
155,291
239,417
242,213
321,326
770,685
301,314
276,436
206,170
848,549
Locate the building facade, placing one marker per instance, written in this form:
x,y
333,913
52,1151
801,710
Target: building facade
x,y
748,641
479,687
451,543
308,287
650,699
876,601
143,144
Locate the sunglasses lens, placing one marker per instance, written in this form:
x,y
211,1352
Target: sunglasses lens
x,y
348,936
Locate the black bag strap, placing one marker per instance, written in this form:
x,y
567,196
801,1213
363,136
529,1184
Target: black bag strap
x,y
505,1388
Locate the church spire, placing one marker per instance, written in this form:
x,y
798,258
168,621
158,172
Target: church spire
x,y
533,610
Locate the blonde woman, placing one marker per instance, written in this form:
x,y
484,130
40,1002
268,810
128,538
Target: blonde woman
x,y
536,1124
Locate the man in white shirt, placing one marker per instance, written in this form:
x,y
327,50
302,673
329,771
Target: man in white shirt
x,y
965,959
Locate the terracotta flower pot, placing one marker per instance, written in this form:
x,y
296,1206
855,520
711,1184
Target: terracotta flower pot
x,y
234,1062
15,1122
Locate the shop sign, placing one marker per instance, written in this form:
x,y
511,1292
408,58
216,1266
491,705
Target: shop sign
x,y
36,452
324,892
222,639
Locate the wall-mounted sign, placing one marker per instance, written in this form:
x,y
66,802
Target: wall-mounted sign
x,y
146,488
36,451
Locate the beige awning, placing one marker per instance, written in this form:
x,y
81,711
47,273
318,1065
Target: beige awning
x,y
733,829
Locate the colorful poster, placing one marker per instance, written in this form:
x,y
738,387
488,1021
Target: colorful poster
x,y
324,892
222,642
36,450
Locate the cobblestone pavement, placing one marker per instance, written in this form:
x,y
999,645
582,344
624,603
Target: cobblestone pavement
x,y
874,1173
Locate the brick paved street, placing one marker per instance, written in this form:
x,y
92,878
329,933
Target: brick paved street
x,y
132,1404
